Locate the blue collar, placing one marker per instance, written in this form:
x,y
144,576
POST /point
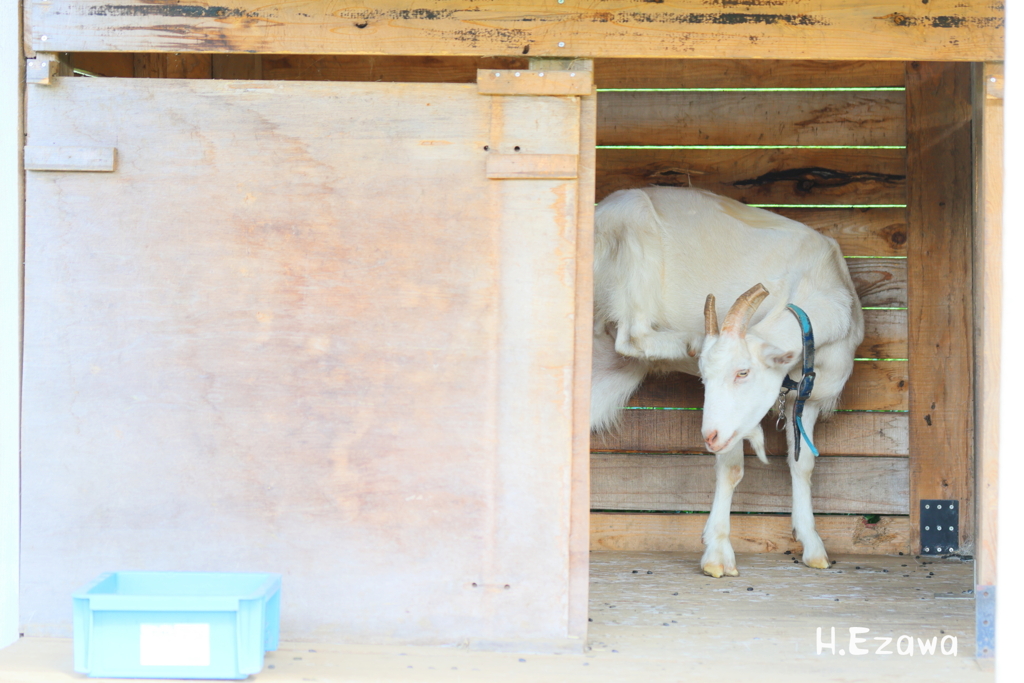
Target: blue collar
x,y
803,387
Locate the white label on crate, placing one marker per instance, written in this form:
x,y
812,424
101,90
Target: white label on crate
x,y
174,644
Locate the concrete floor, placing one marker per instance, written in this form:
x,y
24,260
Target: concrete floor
x,y
656,618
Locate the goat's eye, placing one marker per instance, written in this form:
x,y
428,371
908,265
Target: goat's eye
x,y
742,373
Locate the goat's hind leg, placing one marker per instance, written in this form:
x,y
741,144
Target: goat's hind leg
x,y
719,559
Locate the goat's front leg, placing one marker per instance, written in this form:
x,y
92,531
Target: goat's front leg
x,y
803,512
719,558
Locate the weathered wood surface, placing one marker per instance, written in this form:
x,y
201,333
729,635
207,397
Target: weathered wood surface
x,y
579,527
109,64
536,81
880,282
687,483
678,431
173,66
762,176
60,158
237,67
988,268
531,166
885,334
940,214
215,330
751,118
747,73
874,385
832,29
750,533
410,69
859,232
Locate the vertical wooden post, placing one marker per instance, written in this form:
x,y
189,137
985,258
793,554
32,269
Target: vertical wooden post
x,y
988,245
579,534
940,188
12,92
579,529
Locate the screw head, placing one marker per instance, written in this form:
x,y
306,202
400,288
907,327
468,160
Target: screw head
x,y
517,74
561,44
927,507
541,74
939,506
927,549
927,528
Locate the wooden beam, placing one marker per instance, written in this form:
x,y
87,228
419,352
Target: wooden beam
x,y
988,243
751,118
409,69
750,533
579,527
941,319
687,483
761,176
788,29
752,73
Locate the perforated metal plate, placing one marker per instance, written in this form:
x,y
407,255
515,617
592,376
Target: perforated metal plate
x,y
940,526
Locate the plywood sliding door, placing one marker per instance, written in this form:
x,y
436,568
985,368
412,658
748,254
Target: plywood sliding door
x,y
311,328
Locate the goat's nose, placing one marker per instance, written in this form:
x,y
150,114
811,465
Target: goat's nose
x,y
711,438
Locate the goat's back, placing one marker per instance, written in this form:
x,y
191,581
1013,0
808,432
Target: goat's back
x,y
663,250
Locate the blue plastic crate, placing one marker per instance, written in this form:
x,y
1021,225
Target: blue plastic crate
x,y
176,624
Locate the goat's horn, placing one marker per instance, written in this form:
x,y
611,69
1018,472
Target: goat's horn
x,y
710,317
738,317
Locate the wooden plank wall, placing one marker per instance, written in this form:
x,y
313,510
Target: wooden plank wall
x,y
834,159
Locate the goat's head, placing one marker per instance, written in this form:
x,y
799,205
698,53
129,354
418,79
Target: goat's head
x,y
742,372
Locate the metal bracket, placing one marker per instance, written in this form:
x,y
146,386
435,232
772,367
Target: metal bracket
x,y
985,624
940,526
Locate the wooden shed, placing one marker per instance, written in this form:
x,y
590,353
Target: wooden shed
x,y
306,289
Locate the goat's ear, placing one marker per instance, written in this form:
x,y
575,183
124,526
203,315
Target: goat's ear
x,y
773,355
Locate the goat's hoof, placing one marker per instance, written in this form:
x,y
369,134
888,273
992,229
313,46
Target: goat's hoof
x,y
820,562
717,571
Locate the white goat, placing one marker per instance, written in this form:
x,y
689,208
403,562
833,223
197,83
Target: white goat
x,y
659,253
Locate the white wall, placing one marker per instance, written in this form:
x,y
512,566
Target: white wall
x,y
11,79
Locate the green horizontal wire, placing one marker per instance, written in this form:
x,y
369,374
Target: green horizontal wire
x,y
829,206
751,146
854,89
